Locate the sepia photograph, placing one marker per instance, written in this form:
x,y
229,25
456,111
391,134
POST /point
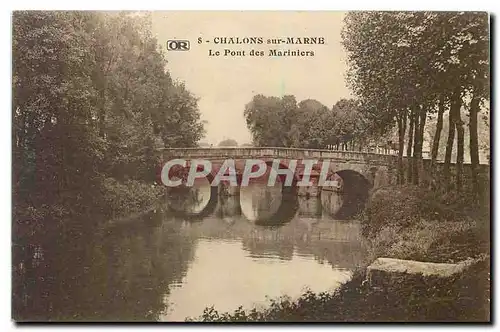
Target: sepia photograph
x,y
250,166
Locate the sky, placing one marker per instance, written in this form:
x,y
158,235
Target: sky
x,y
224,85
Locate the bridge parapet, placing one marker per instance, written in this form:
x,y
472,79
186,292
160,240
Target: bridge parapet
x,y
276,152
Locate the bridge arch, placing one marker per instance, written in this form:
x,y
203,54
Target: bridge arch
x,y
280,206
348,200
193,203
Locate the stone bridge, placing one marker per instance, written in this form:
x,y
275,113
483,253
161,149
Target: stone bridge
x,y
369,170
359,174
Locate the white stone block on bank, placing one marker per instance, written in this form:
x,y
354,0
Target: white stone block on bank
x,y
382,270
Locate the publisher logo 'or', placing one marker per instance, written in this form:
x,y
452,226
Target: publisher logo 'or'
x,y
177,45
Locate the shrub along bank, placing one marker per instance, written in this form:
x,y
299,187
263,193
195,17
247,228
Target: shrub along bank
x,y
125,198
415,223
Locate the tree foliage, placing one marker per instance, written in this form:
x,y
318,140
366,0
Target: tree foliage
x,y
92,101
228,142
410,65
283,122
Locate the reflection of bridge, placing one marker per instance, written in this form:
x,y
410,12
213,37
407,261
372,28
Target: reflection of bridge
x,y
309,232
376,169
260,204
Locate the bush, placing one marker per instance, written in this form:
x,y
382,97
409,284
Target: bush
x,y
414,223
122,199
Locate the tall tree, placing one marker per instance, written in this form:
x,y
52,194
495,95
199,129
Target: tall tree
x,y
271,120
92,100
400,61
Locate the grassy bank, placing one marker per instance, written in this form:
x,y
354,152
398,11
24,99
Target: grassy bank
x,y
415,223
407,223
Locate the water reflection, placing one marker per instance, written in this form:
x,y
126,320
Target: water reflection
x,y
269,205
332,201
262,205
259,201
122,274
163,266
309,208
240,263
192,202
223,274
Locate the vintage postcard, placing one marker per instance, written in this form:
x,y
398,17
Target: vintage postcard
x,y
250,166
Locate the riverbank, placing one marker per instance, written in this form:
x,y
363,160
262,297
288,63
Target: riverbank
x,y
405,223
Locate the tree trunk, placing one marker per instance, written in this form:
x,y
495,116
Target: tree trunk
x,y
439,129
401,136
421,175
460,142
473,143
449,147
410,145
437,138
416,142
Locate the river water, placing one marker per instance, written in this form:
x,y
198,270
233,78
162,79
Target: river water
x,y
168,266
